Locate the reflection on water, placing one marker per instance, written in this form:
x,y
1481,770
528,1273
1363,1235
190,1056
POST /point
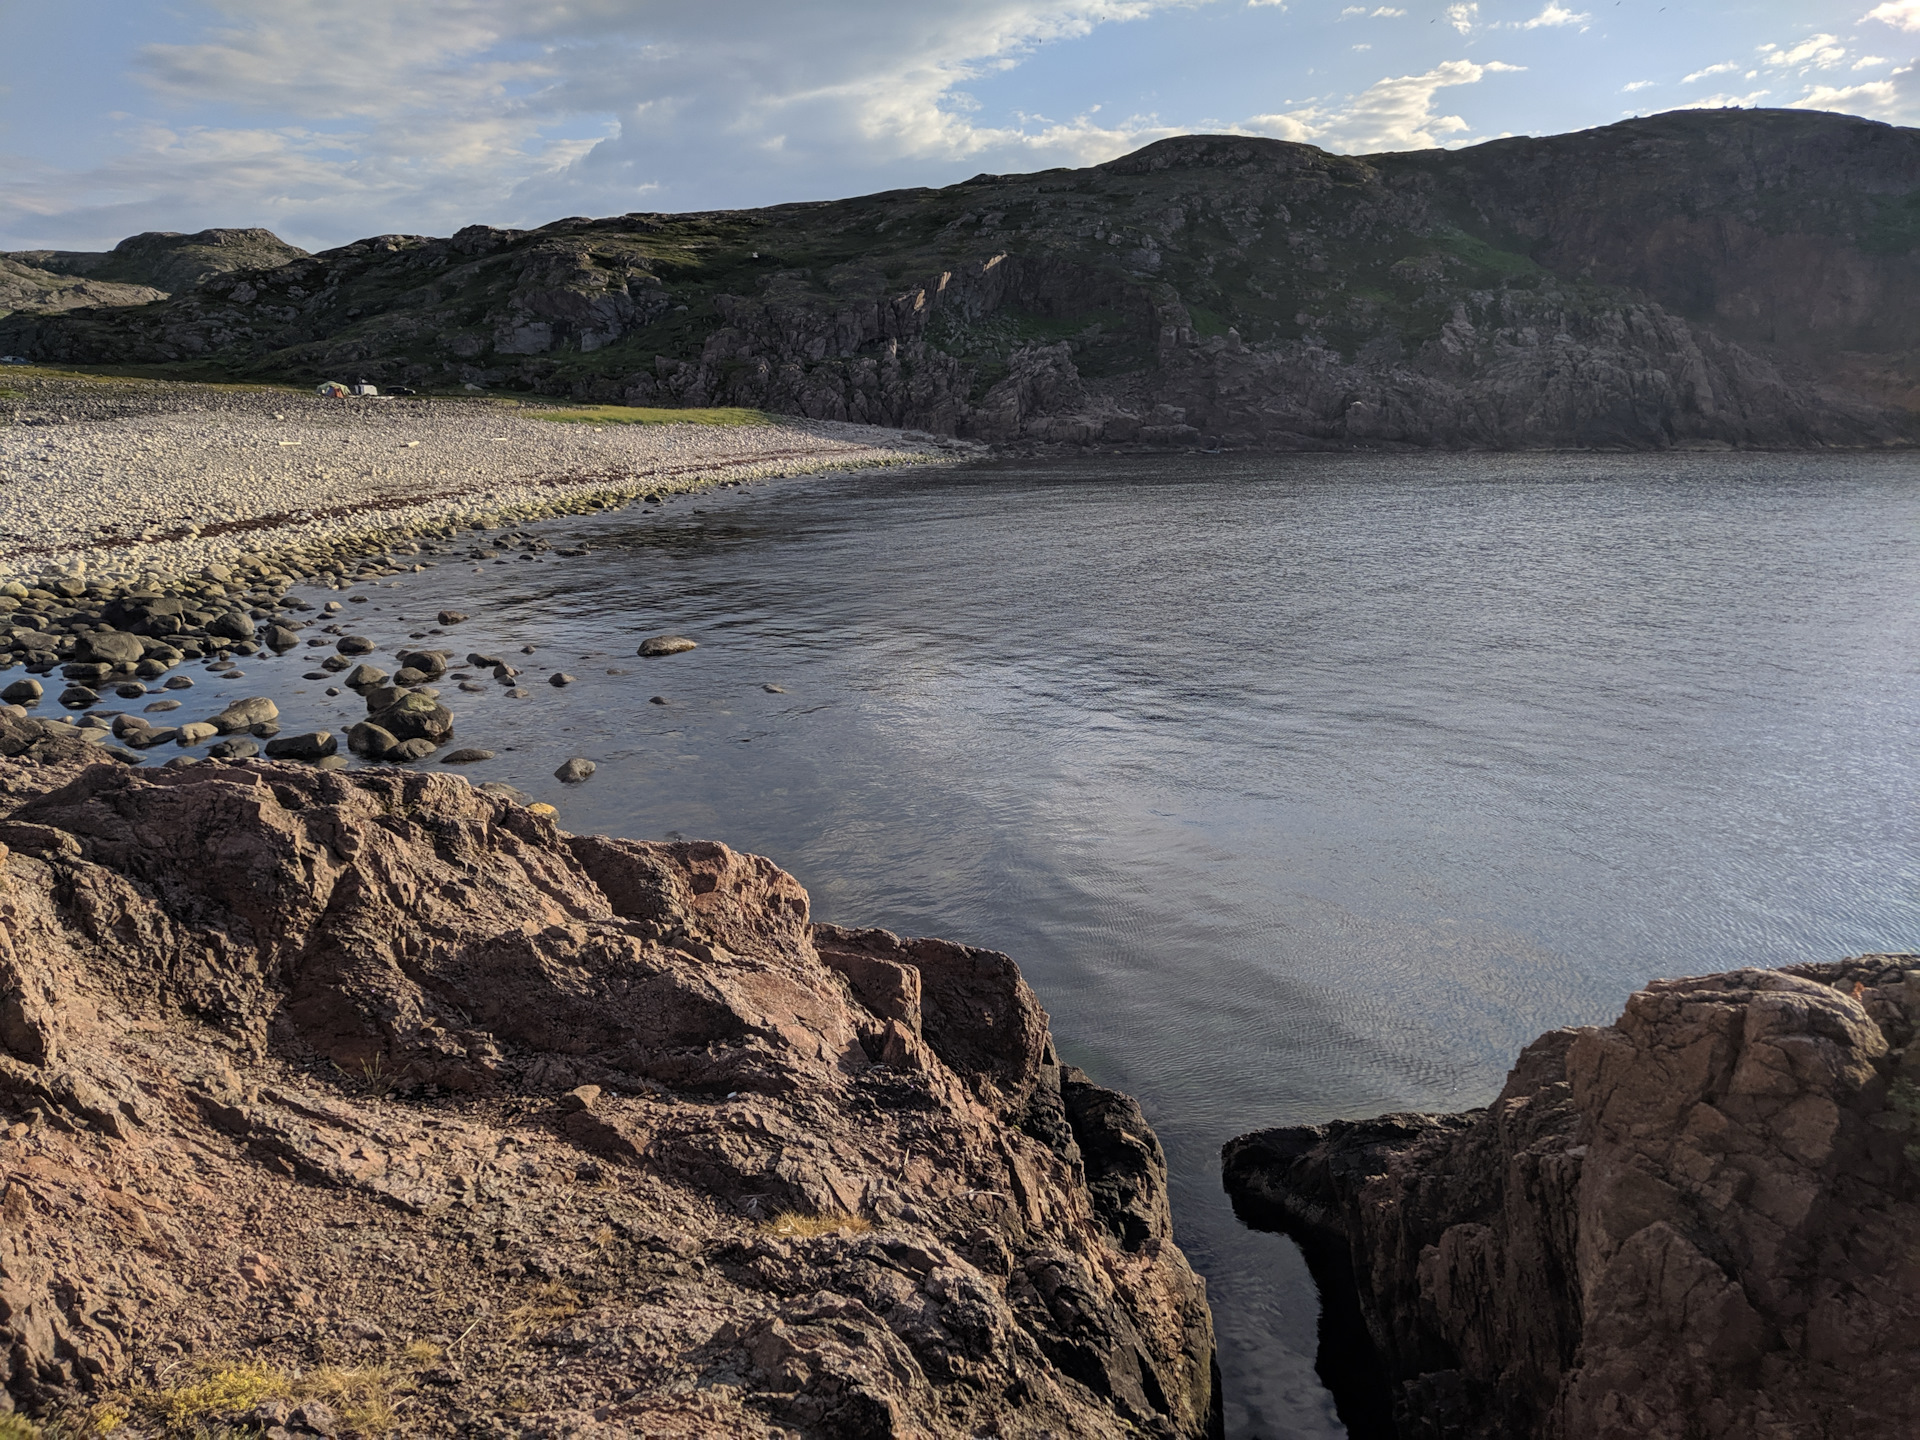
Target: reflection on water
x,y
1299,786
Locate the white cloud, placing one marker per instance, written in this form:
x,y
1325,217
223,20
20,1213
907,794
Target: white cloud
x,y
1865,99
1867,62
1363,47
1901,14
1721,69
415,117
1895,99
1555,14
1634,85
1463,17
1387,12
1392,114
1816,52
1725,102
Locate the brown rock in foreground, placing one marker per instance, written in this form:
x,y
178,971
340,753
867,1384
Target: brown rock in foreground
x,y
1700,1221
451,1123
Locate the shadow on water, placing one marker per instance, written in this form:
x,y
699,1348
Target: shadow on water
x,y
1347,1361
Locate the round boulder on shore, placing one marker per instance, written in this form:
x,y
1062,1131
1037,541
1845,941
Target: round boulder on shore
x,y
371,740
666,645
416,715
245,714
112,647
23,692
310,746
354,645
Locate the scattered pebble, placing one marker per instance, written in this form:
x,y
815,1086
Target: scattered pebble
x,y
658,700
774,689
559,678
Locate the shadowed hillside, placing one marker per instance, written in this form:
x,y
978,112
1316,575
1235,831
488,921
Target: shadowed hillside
x,y
1730,277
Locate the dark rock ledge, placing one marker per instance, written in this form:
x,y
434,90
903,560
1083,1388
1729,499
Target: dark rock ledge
x,y
1698,1222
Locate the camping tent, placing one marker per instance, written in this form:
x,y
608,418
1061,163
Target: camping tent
x,y
331,390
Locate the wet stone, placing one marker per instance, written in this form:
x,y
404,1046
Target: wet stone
x,y
574,771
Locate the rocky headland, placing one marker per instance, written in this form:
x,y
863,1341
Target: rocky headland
x,y
1702,1221
369,1103
1737,277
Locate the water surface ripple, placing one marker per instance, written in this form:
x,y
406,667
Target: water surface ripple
x,y
1300,787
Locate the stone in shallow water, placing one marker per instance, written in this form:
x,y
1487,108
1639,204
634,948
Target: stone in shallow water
x,y
354,645
559,678
575,770
23,692
234,750
312,745
468,756
180,682
666,645
131,690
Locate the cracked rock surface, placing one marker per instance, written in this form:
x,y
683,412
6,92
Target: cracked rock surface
x,y
1702,1220
560,1135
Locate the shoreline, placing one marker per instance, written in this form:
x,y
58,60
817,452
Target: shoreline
x,y
150,494
117,614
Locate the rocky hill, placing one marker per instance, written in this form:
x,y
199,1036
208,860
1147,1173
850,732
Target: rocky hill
x,y
138,271
1702,1221
1734,277
356,1103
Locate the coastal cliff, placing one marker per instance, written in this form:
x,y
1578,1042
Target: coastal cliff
x,y
1693,279
1702,1221
373,1103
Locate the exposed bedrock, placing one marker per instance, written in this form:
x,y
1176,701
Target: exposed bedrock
x,y
1699,1221
599,1137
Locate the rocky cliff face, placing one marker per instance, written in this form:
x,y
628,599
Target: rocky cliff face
x,y
1740,277
138,271
1700,1221
339,1102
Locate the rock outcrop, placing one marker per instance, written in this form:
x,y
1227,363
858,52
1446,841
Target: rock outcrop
x,y
139,270
1700,1221
375,1102
1696,279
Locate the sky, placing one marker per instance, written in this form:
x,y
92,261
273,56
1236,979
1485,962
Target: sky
x,y
332,121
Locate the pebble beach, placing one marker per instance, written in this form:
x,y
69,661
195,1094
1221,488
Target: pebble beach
x,y
148,524
129,481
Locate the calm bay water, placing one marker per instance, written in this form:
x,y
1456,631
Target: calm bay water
x,y
1300,787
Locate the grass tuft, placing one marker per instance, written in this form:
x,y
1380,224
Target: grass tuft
x,y
228,1388
792,1225
363,1396
649,415
544,1307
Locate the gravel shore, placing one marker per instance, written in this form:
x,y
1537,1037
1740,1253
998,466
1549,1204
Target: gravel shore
x,y
124,482
145,524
